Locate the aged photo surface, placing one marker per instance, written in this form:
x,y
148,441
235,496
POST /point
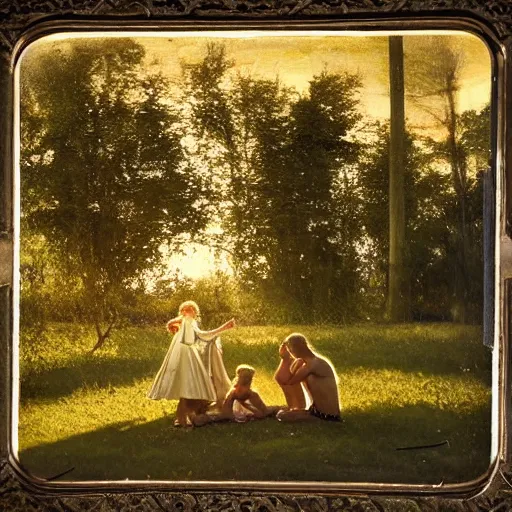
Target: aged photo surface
x,y
255,256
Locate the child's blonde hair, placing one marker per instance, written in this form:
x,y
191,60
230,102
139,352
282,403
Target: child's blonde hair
x,y
193,305
244,375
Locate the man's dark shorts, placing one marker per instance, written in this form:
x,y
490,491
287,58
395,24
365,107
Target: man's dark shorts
x,y
318,414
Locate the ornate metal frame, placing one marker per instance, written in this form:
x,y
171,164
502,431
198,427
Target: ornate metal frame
x,y
23,20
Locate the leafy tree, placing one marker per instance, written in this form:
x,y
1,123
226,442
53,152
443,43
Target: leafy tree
x,y
464,210
319,214
432,224
240,128
275,158
434,82
103,175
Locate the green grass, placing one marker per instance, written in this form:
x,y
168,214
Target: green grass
x,y
399,386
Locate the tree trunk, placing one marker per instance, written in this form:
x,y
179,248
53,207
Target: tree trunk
x,y
397,303
102,336
458,168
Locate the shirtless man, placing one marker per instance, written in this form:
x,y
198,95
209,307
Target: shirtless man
x,y
318,377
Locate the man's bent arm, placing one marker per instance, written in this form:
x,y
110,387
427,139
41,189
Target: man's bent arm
x,y
300,375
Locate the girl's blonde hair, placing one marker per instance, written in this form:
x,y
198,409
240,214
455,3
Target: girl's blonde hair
x,y
244,375
192,304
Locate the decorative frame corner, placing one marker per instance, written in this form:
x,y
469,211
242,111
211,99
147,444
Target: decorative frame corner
x,y
18,492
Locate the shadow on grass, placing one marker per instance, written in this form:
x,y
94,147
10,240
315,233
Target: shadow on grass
x,y
362,449
431,350
59,382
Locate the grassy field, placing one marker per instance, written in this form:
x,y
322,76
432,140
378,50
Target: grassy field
x,y
404,385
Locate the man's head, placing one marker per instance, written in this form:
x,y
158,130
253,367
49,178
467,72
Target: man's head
x,y
298,345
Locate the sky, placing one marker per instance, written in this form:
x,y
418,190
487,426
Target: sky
x,y
295,58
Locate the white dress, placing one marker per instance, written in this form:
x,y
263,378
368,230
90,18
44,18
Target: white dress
x,y
192,368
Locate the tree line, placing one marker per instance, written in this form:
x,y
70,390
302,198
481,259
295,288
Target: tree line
x,y
118,161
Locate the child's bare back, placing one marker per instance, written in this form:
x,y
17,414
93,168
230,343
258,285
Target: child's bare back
x,y
241,392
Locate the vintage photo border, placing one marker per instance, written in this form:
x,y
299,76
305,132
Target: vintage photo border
x,y
21,21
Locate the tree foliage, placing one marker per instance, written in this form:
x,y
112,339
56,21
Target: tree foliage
x,y
103,174
116,164
434,84
432,215
282,166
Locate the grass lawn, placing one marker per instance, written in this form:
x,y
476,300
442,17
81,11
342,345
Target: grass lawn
x,y
404,385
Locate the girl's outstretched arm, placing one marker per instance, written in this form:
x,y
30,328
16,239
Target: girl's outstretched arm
x,y
209,335
173,323
225,327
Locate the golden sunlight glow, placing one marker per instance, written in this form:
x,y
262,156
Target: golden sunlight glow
x,y
295,57
197,261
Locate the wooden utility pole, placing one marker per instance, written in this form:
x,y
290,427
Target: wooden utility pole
x,y
397,303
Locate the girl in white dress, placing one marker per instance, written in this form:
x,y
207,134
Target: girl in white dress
x,y
192,369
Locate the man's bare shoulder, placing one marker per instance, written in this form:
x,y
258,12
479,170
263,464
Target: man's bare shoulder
x,y
321,367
